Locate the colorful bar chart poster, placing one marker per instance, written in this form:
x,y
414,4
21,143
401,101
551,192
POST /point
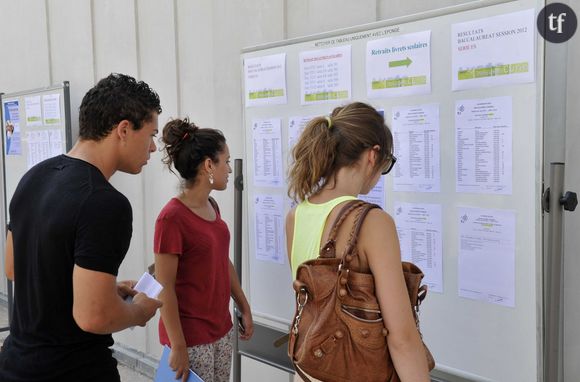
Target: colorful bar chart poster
x,y
325,75
12,127
493,51
265,80
399,66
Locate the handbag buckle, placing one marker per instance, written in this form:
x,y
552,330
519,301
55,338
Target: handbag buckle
x,y
301,305
303,292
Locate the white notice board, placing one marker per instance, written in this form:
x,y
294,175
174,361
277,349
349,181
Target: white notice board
x,y
463,88
36,126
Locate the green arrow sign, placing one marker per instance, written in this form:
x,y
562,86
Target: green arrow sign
x,y
406,62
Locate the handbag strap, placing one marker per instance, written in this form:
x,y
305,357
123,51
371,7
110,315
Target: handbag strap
x,y
301,373
329,249
344,212
350,250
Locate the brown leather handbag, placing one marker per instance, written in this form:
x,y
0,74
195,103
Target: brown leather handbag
x,y
337,334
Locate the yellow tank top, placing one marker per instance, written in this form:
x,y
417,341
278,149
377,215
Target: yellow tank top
x,y
309,222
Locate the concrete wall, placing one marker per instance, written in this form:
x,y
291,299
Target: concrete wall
x,y
189,52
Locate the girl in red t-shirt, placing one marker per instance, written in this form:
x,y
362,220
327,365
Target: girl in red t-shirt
x,y
191,248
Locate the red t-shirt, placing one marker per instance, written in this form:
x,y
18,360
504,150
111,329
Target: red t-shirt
x,y
202,283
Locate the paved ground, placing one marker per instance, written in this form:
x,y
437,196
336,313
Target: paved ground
x,y
127,375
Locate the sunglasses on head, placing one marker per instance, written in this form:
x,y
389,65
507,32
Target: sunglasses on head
x,y
390,166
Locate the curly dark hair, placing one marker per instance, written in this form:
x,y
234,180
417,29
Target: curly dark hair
x,y
113,99
187,146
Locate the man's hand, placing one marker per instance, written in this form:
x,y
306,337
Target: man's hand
x,y
98,307
148,307
125,288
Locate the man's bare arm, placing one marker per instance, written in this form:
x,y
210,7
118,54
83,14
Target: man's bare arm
x,y
98,308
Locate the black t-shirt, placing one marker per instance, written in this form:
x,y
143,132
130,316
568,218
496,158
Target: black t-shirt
x,y
63,212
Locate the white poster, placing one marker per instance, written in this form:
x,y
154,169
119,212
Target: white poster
x,y
419,228
51,108
56,142
417,148
399,66
269,228
33,111
377,194
267,144
38,147
483,142
325,75
265,80
487,255
296,126
493,51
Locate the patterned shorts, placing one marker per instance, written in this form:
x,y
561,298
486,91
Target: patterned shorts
x,y
212,362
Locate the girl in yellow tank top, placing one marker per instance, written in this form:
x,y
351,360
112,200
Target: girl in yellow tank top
x,y
337,158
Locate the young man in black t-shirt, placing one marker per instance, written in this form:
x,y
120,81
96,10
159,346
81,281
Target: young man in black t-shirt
x,y
69,231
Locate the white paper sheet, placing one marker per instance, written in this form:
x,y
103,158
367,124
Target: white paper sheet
x,y
487,255
33,111
483,142
267,145
325,75
43,144
493,51
419,228
417,148
148,285
265,80
377,194
399,66
296,126
38,147
269,228
51,108
56,142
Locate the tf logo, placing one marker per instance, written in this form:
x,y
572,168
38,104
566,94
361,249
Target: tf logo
x,y
557,22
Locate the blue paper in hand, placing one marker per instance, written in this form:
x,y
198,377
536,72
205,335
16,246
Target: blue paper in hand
x,y
165,374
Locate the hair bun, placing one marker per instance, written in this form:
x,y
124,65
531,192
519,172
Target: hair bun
x,y
187,127
178,130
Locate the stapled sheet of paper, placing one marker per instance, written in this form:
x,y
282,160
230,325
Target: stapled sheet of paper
x,y
148,285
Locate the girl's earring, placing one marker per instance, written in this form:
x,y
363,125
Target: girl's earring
x,y
210,178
